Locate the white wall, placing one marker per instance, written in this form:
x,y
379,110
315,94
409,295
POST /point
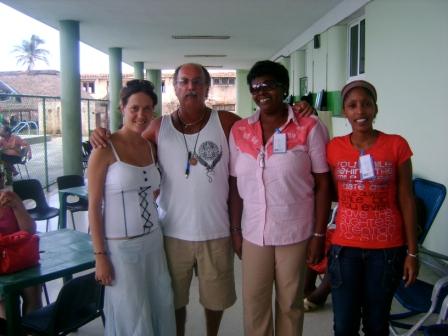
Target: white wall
x,y
407,61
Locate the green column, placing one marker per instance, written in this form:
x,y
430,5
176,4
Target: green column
x,y
70,97
155,76
337,67
138,70
114,88
296,72
244,104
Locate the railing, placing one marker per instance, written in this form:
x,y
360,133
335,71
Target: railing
x,y
29,125
44,114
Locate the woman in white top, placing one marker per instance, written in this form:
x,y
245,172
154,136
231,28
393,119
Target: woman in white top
x,y
127,240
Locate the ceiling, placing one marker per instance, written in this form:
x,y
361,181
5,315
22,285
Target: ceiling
x,y
258,29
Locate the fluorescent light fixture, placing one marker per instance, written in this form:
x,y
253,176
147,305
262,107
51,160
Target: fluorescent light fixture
x,y
204,55
200,37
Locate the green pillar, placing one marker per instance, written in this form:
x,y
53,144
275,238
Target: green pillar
x,y
336,67
244,104
138,70
155,76
114,88
70,97
296,72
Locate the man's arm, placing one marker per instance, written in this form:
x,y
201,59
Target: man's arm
x,y
152,132
304,109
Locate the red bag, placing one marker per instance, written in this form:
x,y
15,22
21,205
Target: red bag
x,y
18,250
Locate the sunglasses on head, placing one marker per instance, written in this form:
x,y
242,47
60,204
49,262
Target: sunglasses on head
x,y
140,83
264,86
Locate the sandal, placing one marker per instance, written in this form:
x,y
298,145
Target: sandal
x,y
310,306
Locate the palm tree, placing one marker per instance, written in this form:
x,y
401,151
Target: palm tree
x,y
28,52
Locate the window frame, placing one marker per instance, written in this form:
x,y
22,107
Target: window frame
x,y
359,52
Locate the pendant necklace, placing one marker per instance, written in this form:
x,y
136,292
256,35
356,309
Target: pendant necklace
x,y
192,157
186,125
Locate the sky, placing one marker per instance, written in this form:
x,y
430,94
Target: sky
x,y
20,27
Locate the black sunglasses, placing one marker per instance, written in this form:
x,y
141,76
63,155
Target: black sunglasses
x,y
264,86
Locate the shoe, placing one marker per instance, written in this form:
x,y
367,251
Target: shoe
x,y
310,306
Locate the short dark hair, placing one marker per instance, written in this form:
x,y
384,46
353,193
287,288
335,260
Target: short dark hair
x,y
272,69
208,79
135,86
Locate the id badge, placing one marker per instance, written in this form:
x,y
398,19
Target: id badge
x,y
366,167
279,143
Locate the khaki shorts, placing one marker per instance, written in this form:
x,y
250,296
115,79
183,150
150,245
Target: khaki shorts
x,y
212,261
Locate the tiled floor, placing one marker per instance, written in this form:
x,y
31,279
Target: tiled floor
x,y
316,323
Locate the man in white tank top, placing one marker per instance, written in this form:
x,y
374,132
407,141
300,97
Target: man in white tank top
x,y
194,158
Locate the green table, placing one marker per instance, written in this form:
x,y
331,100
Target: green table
x,y
80,191
63,253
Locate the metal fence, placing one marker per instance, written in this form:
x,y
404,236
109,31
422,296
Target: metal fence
x,y
37,119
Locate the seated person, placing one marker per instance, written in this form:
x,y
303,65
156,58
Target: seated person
x,y
14,217
11,150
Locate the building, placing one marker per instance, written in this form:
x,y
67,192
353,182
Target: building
x,y
222,94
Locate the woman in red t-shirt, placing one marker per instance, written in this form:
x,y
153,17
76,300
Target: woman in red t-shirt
x,y
374,244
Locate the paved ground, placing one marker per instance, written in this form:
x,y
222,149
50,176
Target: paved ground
x,y
316,323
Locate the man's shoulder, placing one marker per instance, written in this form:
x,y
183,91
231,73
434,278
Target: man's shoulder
x,y
228,117
227,120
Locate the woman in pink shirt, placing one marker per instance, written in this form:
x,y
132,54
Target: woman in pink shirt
x,y
14,217
279,221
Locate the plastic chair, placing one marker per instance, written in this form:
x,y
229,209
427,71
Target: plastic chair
x,y
79,301
32,190
422,297
23,161
86,149
441,326
69,181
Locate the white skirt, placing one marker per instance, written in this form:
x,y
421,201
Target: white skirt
x,y
140,300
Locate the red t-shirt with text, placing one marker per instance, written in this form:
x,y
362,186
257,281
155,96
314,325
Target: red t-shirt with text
x,y
368,214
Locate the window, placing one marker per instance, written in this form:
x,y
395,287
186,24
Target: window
x,y
88,87
357,46
223,80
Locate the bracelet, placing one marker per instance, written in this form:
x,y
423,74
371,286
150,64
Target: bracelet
x,y
235,229
320,235
100,252
412,255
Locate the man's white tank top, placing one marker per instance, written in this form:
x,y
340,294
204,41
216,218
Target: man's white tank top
x,y
129,205
194,208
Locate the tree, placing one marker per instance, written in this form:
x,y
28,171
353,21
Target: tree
x,y
28,52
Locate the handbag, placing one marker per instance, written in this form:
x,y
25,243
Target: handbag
x,y
18,250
